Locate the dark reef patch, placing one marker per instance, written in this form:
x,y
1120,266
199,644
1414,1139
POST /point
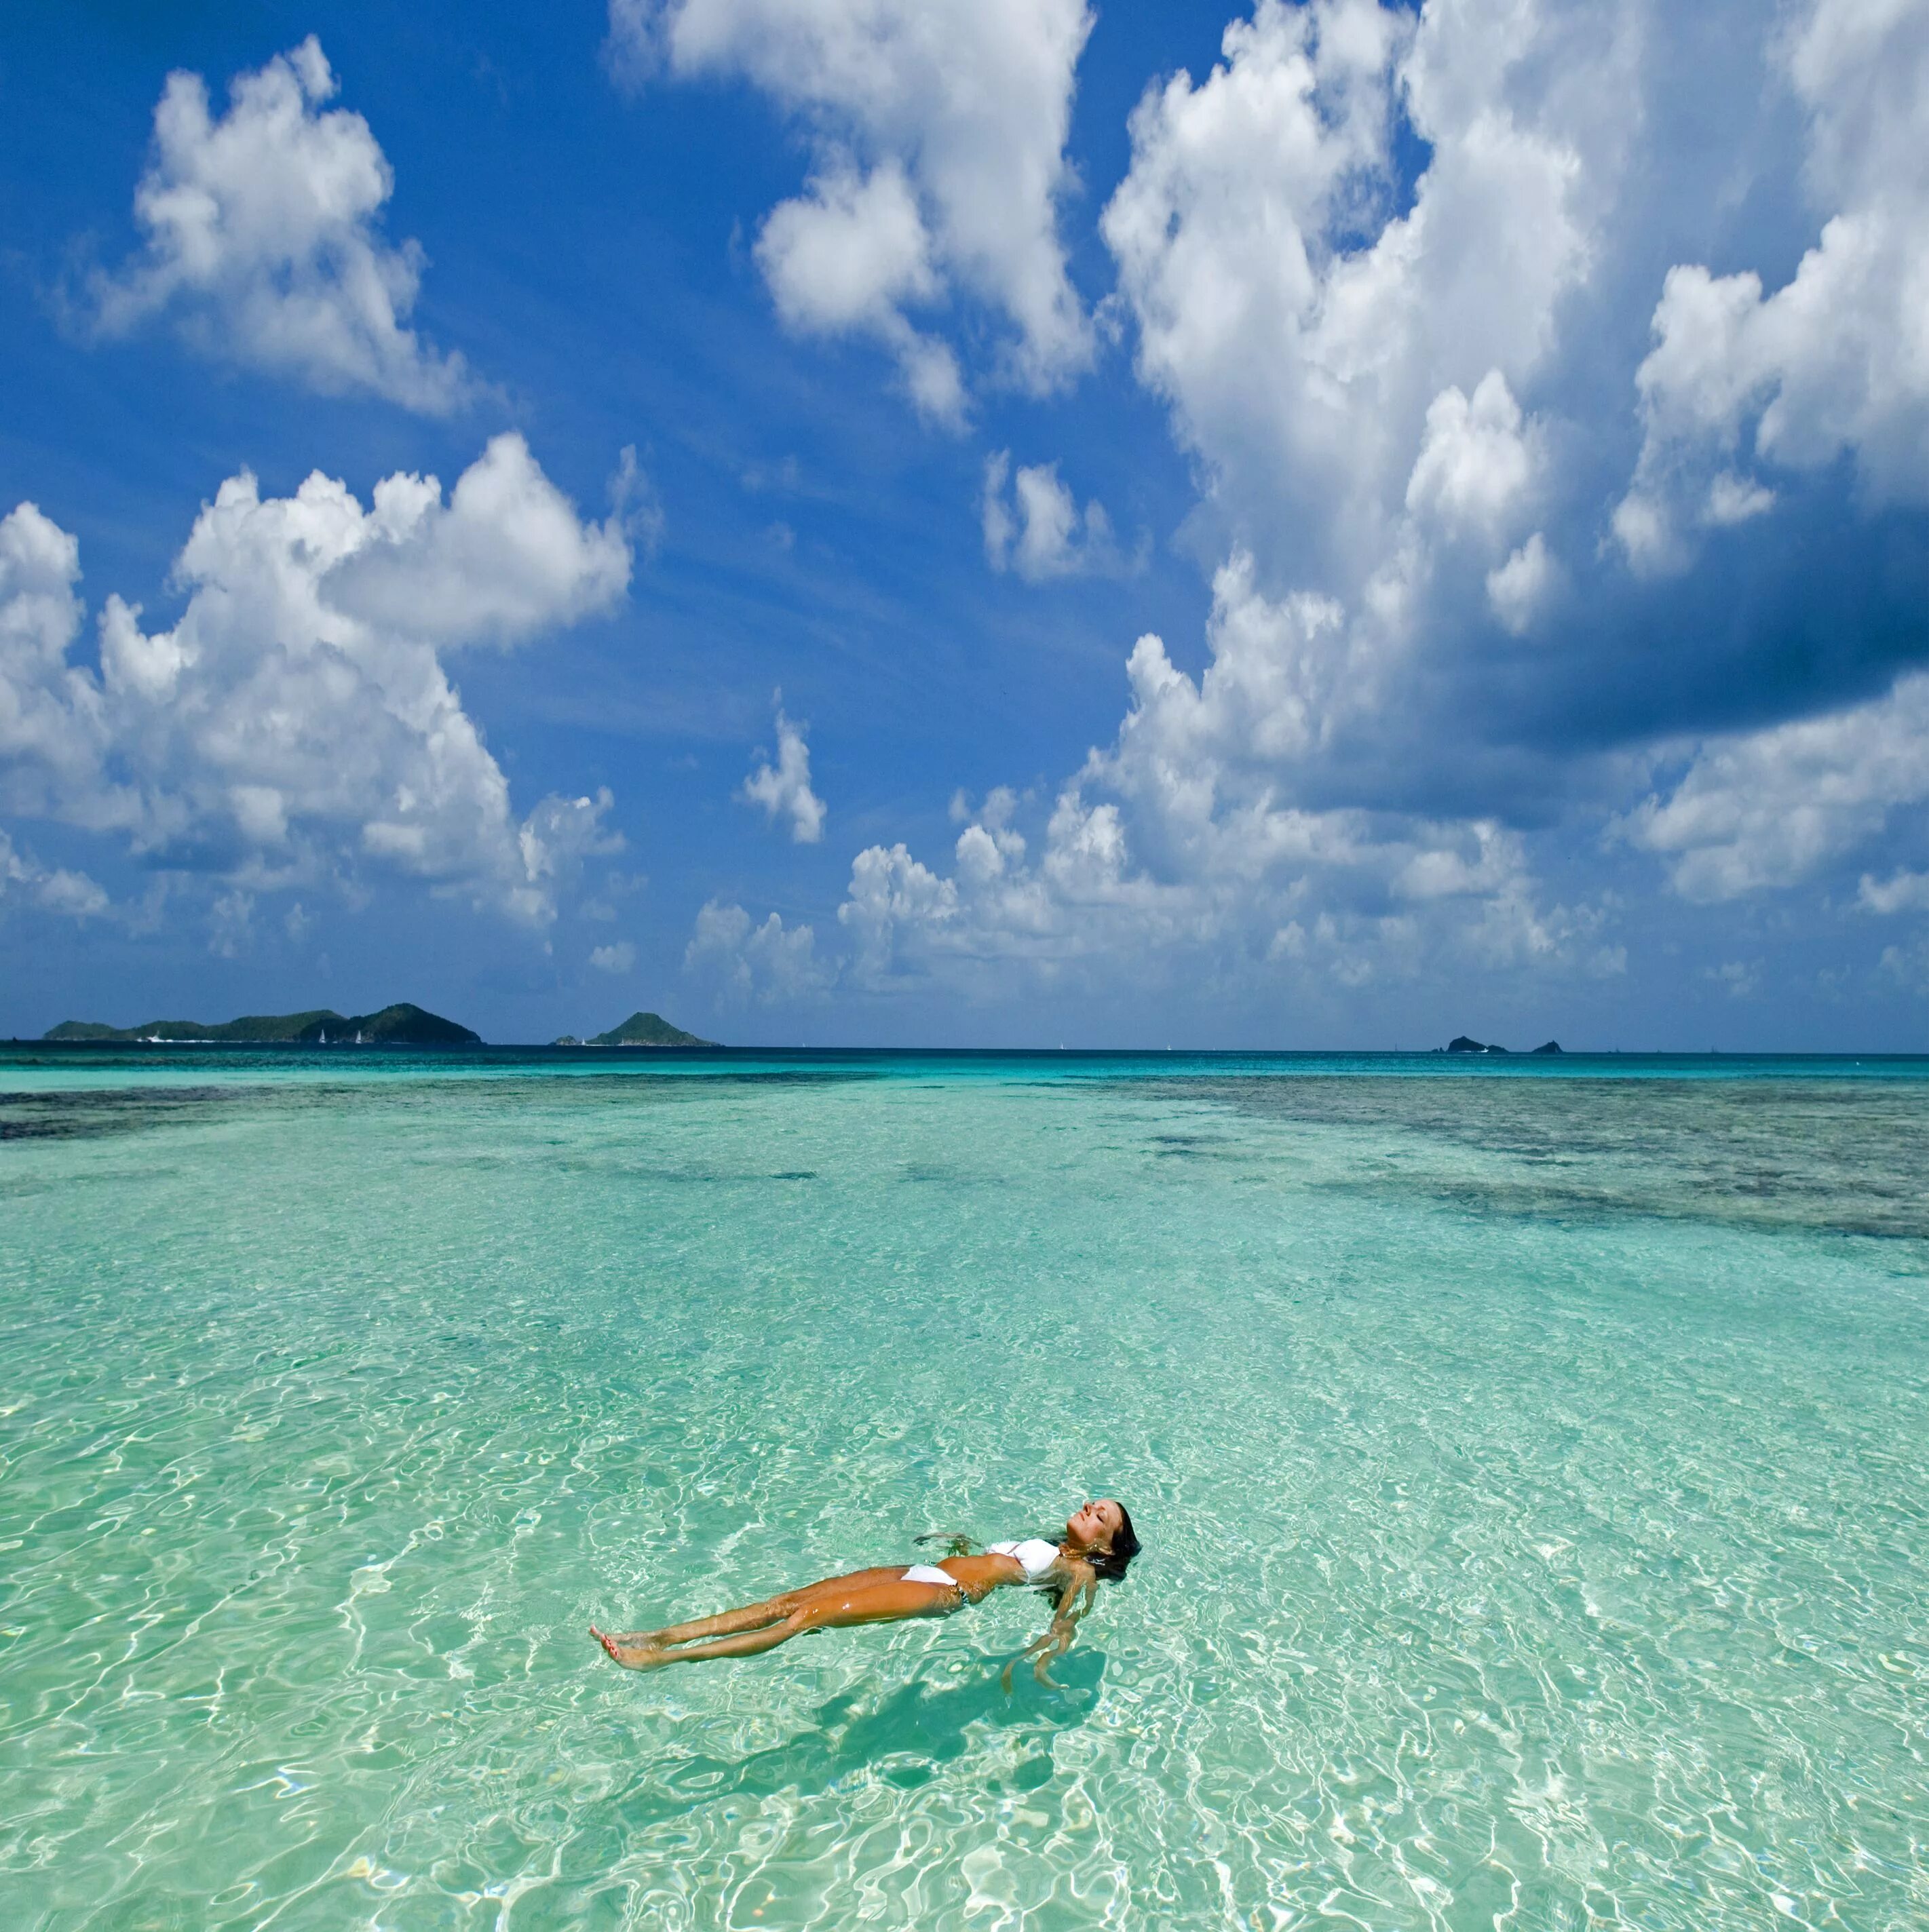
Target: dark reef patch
x,y
1838,1156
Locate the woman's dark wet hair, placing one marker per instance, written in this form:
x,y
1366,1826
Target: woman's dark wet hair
x,y
1115,1562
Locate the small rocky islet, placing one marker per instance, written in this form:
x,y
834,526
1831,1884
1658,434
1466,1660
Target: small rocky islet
x,y
640,1029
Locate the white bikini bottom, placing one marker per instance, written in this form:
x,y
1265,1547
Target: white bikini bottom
x,y
929,1572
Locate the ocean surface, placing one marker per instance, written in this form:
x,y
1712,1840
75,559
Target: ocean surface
x,y
1532,1459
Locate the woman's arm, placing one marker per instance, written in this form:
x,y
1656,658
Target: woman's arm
x,y
1080,1590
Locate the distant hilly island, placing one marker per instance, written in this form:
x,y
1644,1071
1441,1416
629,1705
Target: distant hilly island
x,y
639,1029
399,1025
402,1024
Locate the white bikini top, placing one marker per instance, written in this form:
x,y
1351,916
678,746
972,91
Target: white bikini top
x,y
1034,1554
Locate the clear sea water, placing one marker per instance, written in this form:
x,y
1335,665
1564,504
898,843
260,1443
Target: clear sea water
x,y
1530,1458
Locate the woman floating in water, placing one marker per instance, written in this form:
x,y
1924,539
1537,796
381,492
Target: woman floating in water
x,y
1098,1542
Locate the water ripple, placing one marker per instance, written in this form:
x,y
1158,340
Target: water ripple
x,y
1521,1552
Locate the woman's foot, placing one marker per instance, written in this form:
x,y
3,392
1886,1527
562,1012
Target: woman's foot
x,y
632,1655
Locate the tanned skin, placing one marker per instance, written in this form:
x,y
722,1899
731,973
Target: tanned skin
x,y
884,1597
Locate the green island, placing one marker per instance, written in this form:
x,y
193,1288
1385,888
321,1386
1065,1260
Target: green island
x,y
639,1029
402,1024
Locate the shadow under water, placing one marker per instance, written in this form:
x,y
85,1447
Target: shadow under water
x,y
920,1727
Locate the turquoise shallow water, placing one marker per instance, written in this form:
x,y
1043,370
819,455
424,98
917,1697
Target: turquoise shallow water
x,y
1530,1461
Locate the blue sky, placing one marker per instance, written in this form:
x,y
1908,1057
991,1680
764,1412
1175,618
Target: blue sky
x,y
1302,525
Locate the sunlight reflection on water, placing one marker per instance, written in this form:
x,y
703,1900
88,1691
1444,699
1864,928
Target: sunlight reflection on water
x,y
1529,1469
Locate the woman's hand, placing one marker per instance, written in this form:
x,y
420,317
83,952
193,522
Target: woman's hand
x,y
1081,1587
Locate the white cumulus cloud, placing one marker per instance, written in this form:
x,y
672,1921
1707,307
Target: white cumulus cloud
x,y
263,239
505,557
1327,356
851,254
1520,589
1179,843
51,889
52,725
295,722
618,958
1361,365
783,789
1476,468
1033,525
772,964
1764,809
1836,360
939,127
1389,270
1904,892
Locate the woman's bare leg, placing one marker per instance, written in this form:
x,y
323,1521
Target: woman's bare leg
x,y
747,1643
890,1600
752,1616
631,1648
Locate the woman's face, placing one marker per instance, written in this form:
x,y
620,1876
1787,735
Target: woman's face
x,y
1093,1527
